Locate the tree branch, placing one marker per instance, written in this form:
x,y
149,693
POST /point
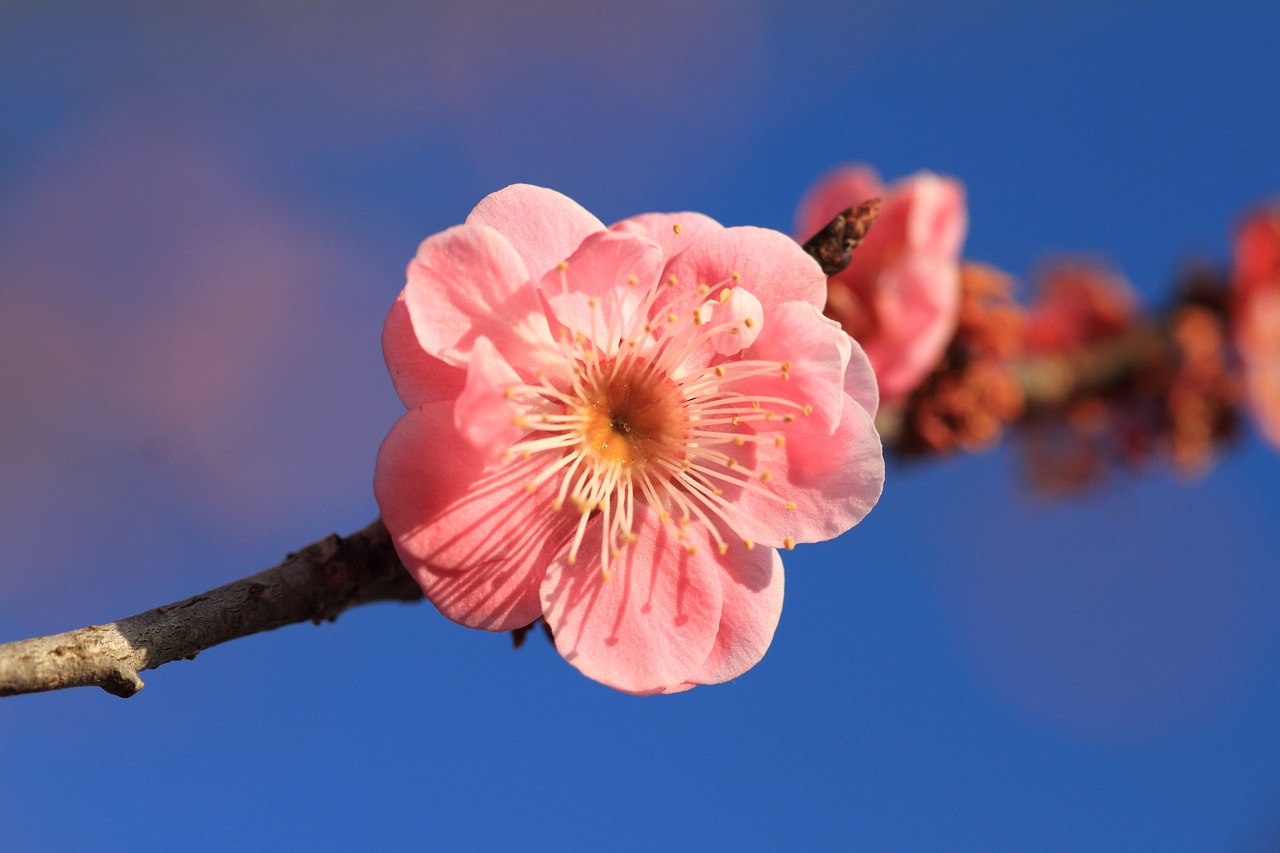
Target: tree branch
x,y
315,584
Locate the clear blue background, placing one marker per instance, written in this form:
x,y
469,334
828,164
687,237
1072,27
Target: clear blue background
x,y
204,216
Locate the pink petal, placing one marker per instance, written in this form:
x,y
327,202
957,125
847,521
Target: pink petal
x,y
833,480
466,282
838,190
417,377
751,587
919,306
475,540
544,226
769,264
653,624
860,380
816,351
1258,337
745,312
484,413
612,271
661,229
936,218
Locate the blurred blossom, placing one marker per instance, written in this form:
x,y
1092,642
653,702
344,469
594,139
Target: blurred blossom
x,y
1256,316
1077,302
165,328
1113,390
967,401
900,296
511,87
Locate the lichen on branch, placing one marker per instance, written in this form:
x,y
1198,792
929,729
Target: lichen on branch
x,y
314,584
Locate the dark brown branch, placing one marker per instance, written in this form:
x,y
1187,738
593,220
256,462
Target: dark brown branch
x,y
314,584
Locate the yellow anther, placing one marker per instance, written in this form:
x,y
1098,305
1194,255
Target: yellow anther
x,y
676,228
557,505
702,288
562,266
595,303
719,370
664,516
724,295
693,549
529,487
732,463
735,420
717,491
736,276
739,440
507,393
606,575
571,559
765,476
755,404
768,415
808,410
786,365
632,280
749,322
672,280
671,317
788,543
748,544
779,440
788,418
790,505
723,548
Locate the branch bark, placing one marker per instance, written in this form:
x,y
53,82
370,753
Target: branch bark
x,y
314,584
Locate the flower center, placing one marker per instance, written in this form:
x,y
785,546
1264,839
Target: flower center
x,y
635,419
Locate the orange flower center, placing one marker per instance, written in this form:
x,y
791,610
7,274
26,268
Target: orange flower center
x,y
635,418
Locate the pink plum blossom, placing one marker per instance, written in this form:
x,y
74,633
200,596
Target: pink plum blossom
x,y
900,296
1256,315
616,429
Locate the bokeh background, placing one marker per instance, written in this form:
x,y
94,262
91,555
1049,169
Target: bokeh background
x,y
205,213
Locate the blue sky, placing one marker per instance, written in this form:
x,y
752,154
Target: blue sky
x,y
204,216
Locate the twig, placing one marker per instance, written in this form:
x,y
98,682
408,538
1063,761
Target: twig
x,y
316,584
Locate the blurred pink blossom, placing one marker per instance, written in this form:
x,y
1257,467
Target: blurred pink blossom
x,y
164,325
1256,315
615,430
900,296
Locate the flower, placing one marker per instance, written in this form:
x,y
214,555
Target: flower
x,y
1079,301
900,296
615,429
966,402
1256,316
